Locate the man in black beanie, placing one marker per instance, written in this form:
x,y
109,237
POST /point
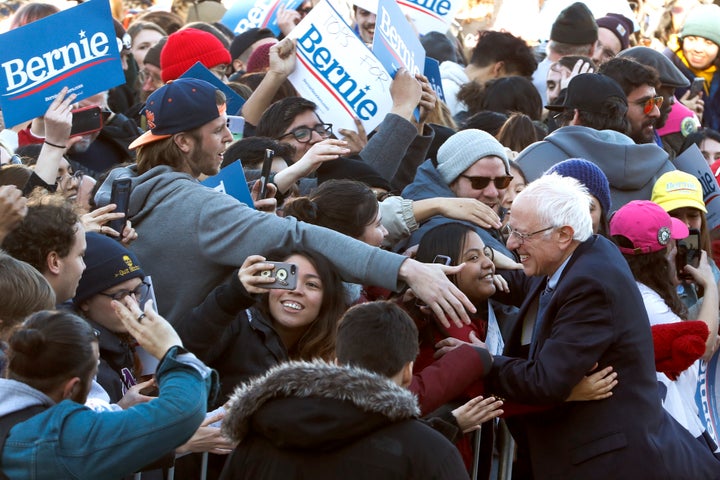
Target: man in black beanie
x,y
573,33
244,44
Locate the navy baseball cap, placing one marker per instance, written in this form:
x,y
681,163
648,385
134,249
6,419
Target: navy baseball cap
x,y
178,106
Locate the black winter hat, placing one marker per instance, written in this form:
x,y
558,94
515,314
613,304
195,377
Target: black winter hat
x,y
575,26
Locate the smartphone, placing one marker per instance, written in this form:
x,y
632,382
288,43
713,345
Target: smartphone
x,y
442,259
265,172
697,86
688,253
236,125
285,275
86,120
120,196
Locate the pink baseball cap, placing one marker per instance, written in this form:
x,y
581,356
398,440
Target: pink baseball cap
x,y
647,226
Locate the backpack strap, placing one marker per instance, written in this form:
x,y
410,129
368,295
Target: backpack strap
x,y
8,421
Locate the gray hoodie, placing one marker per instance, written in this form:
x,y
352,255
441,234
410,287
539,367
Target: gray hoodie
x,y
191,238
16,396
631,169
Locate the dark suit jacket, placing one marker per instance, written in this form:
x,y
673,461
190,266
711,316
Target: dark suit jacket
x,y
596,314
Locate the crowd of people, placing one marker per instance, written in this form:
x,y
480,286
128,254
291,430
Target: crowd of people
x,y
534,251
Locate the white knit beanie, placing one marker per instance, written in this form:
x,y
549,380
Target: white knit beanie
x,y
462,150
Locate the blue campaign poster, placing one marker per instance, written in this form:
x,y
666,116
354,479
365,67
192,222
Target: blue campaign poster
x,y
395,42
231,180
432,72
75,48
707,396
244,15
234,101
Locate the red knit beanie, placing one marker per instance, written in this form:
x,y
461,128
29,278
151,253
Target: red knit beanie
x,y
186,47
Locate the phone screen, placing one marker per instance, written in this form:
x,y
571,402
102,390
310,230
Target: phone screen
x,y
265,173
120,196
688,253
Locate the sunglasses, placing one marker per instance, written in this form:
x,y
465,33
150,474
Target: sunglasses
x,y
650,103
304,134
478,183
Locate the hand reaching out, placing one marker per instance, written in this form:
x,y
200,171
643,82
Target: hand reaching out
x,y
478,410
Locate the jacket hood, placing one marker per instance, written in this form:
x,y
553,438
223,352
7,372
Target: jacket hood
x,y
628,166
316,404
427,184
16,396
454,72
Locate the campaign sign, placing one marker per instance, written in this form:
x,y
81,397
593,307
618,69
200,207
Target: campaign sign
x,y
233,101
244,15
395,43
693,162
707,396
431,15
432,72
231,180
337,71
75,48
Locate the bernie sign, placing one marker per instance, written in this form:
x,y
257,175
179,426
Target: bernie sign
x,y
76,48
243,15
431,15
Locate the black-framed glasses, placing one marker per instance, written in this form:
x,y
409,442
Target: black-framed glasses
x,y
508,231
304,134
478,183
140,292
649,103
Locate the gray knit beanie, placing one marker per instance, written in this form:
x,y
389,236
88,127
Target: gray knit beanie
x,y
462,150
703,21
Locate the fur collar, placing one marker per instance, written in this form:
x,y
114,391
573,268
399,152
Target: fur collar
x,y
369,391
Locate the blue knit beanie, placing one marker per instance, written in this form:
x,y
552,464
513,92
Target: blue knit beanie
x,y
107,263
589,175
463,149
703,21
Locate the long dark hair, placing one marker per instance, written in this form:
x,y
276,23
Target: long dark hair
x,y
653,270
446,239
345,206
318,341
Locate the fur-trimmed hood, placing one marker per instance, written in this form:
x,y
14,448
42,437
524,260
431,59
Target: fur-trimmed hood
x,y
315,403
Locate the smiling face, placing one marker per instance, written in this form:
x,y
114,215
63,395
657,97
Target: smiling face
x,y
293,311
476,278
699,52
539,254
306,119
208,145
491,196
642,125
142,43
366,24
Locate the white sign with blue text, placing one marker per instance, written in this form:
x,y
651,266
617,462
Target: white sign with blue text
x,y
431,15
76,48
244,15
395,43
337,71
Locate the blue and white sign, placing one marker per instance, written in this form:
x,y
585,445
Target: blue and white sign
x,y
431,15
432,72
692,161
337,71
244,15
707,396
231,180
233,101
75,48
395,43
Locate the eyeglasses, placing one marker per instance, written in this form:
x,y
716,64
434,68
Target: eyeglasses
x,y
650,103
62,180
478,183
509,231
304,134
140,292
143,75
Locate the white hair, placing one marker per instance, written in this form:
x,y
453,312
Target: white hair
x,y
561,201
